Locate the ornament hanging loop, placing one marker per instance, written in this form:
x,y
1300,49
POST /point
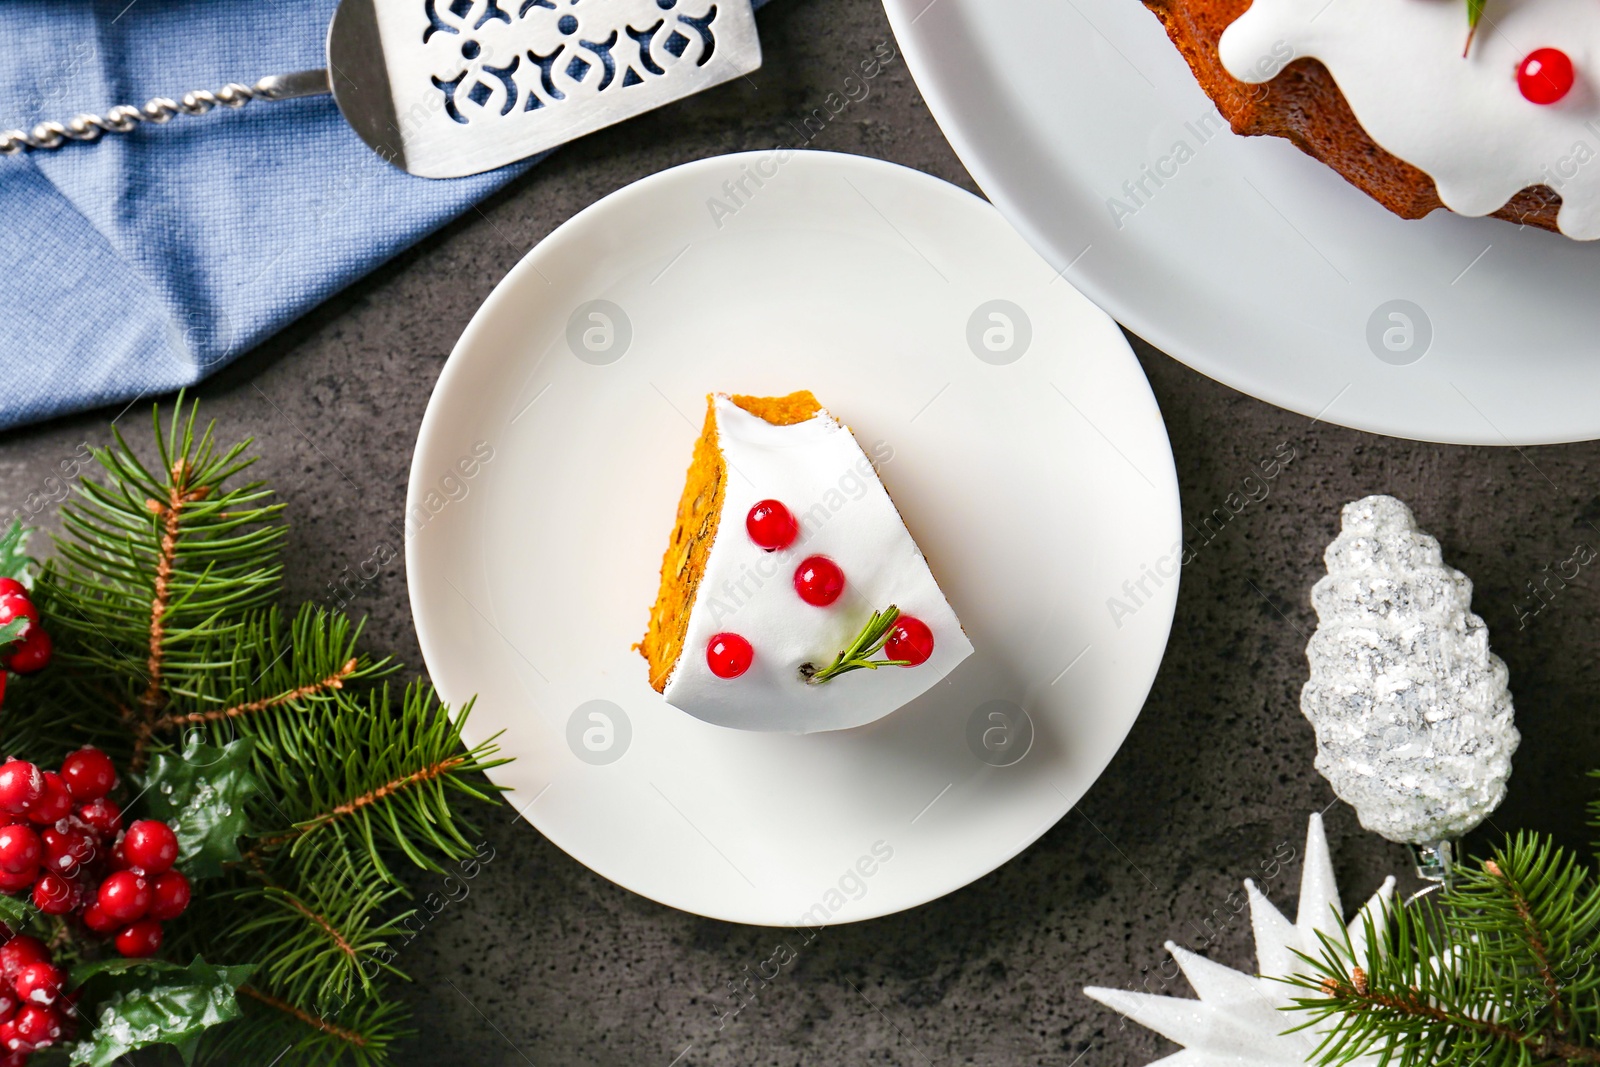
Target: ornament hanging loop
x,y
1436,861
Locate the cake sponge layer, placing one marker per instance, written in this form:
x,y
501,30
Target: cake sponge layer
x,y
699,511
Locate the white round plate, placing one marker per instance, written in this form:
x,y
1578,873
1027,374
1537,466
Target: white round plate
x,y
1243,257
1037,480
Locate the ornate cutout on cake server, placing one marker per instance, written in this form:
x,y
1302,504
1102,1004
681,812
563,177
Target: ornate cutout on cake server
x,y
478,83
446,88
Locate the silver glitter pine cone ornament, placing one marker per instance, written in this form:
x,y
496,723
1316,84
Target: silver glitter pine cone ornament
x,y
1411,710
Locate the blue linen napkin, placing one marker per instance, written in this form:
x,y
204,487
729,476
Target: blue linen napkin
x,y
148,260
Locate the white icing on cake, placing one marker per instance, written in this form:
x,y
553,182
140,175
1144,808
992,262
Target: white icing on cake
x,y
1461,120
819,472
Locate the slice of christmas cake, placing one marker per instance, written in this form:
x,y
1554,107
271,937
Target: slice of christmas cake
x,y
793,597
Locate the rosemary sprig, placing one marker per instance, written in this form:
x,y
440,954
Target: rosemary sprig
x,y
1474,13
858,654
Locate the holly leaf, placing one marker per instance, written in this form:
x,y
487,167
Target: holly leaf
x,y
15,911
202,795
14,561
134,1004
13,631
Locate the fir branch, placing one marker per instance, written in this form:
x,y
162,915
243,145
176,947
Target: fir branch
x,y
1533,933
274,672
179,494
160,603
1413,1006
359,1032
380,794
339,940
316,1022
335,680
154,571
1498,971
47,716
324,938
291,1019
393,789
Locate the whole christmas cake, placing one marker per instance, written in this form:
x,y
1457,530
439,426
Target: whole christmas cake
x,y
1422,104
792,597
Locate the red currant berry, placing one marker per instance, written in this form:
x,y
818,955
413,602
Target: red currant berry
x,y
21,784
1545,75
54,895
13,1044
124,895
32,653
19,848
89,774
38,1025
140,940
910,640
102,816
12,587
65,851
96,919
119,858
151,846
729,655
19,952
169,895
819,581
8,1008
17,881
771,526
55,804
39,983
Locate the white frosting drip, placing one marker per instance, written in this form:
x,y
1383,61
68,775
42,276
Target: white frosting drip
x,y
1461,120
821,475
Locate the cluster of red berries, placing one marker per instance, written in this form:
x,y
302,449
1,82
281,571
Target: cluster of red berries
x,y
31,653
818,581
35,1007
62,841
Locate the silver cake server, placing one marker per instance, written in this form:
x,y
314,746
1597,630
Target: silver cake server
x,y
446,88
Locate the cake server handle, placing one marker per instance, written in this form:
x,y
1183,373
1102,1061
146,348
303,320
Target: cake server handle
x,y
123,118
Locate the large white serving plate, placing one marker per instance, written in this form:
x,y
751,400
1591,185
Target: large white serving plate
x,y
1036,477
1250,261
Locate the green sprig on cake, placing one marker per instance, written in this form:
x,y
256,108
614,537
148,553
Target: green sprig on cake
x,y
857,656
1474,13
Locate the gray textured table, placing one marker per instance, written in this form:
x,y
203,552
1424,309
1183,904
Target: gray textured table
x,y
546,963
